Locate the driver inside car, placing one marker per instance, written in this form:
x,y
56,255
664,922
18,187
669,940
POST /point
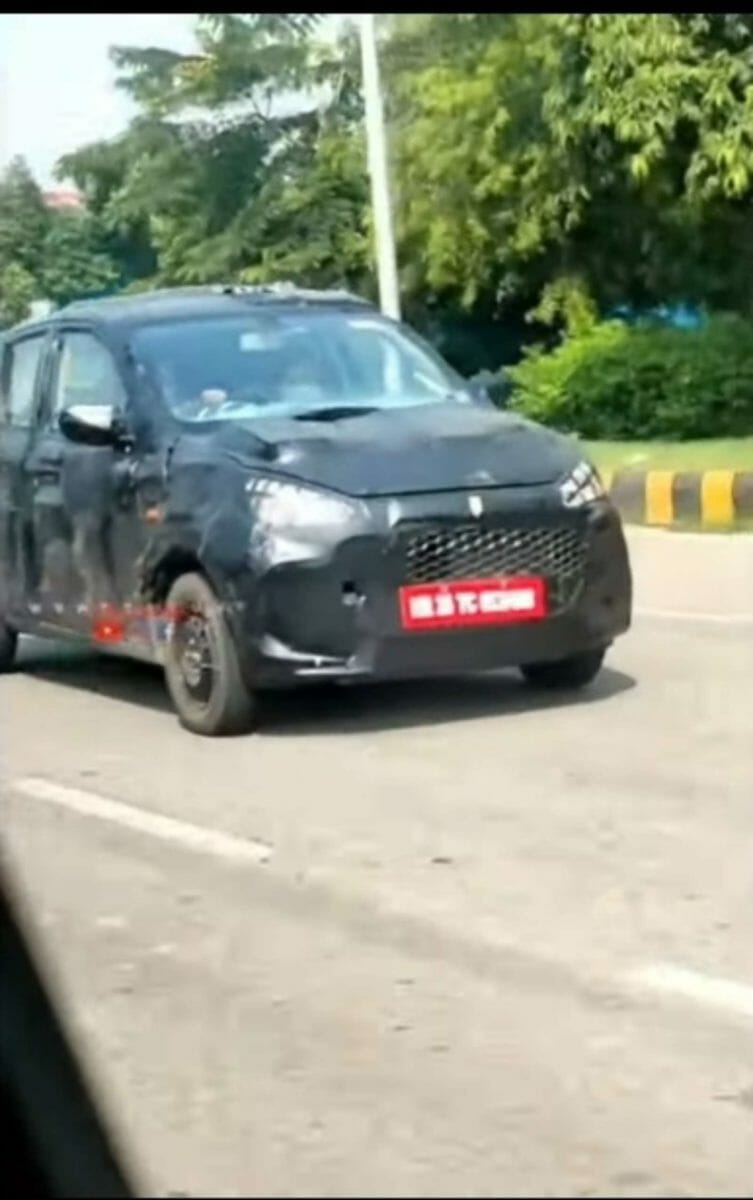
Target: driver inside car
x,y
211,403
303,385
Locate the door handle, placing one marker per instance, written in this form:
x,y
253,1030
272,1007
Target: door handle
x,y
50,462
45,475
46,470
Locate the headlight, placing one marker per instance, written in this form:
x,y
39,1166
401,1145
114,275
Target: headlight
x,y
582,486
281,506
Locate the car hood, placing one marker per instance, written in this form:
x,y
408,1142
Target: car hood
x,y
433,448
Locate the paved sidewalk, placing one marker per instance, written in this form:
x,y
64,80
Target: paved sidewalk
x,y
692,573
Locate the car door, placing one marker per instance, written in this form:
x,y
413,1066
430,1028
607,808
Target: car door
x,y
22,366
95,505
73,488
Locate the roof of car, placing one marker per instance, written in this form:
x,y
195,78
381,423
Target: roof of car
x,y
175,304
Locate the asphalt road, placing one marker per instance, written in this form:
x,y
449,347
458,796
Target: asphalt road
x,y
455,940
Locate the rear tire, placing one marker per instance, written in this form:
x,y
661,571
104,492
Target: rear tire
x,y
8,644
202,668
577,671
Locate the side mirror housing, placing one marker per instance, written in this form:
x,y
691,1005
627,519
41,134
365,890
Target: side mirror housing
x,y
491,388
93,425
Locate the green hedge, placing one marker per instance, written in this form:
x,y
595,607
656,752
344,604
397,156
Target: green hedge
x,y
622,383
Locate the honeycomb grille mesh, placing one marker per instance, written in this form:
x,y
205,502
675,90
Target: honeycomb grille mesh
x,y
442,554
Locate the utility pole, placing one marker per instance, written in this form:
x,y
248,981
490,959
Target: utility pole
x,y
376,143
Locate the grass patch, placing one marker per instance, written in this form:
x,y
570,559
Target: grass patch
x,y
734,454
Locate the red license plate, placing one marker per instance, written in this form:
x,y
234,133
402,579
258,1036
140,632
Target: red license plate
x,y
473,602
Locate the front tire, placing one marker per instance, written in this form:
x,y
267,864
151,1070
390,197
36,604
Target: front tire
x,y
577,671
8,644
202,668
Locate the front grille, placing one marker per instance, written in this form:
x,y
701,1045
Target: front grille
x,y
437,554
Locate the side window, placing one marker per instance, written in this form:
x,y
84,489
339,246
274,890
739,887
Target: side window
x,y
86,374
20,366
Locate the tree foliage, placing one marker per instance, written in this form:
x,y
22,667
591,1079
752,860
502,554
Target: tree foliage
x,y
46,254
75,264
226,179
17,288
559,164
617,148
99,170
24,219
616,382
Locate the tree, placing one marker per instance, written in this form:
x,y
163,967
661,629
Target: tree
x,y
46,254
24,219
75,264
612,151
17,290
246,159
99,170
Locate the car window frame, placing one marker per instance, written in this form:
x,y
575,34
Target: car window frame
x,y
44,335
49,414
390,333
415,349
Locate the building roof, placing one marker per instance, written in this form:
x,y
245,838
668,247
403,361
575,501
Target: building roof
x,y
64,198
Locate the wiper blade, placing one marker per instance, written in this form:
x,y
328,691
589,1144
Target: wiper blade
x,y
336,412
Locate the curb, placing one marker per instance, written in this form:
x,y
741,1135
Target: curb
x,y
665,498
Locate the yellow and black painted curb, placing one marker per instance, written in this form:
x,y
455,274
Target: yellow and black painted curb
x,y
707,498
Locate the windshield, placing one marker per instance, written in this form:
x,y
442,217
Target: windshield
x,y
291,364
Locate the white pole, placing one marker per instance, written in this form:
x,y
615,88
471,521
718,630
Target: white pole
x,y
376,142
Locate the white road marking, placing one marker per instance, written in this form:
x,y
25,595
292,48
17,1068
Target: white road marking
x,y
724,994
671,614
168,829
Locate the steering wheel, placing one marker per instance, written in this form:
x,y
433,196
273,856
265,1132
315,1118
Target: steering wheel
x,y
241,398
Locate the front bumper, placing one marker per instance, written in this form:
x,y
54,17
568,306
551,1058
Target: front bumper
x,y
333,613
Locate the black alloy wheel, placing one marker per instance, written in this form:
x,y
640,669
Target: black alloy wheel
x,y
202,667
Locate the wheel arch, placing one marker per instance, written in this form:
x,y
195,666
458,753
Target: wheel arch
x,y
173,562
